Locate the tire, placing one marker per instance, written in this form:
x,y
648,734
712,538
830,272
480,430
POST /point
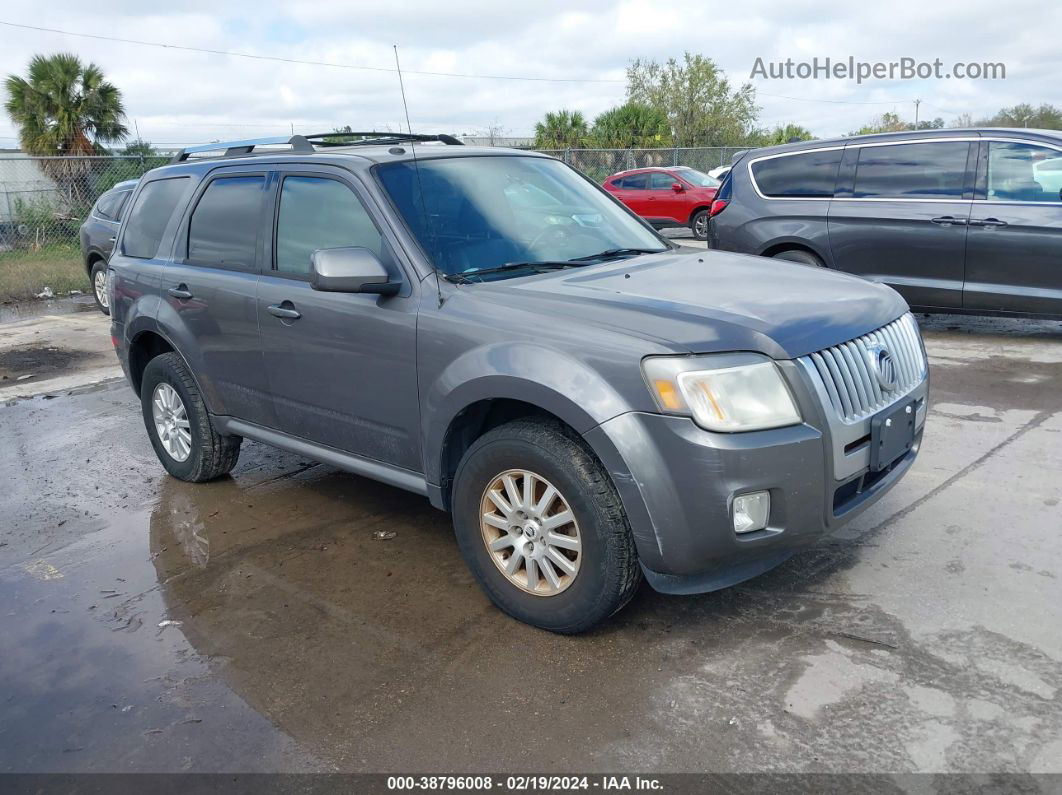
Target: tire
x,y
699,221
801,256
210,455
98,283
607,573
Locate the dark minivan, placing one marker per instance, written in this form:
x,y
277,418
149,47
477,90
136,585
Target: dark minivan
x,y
963,221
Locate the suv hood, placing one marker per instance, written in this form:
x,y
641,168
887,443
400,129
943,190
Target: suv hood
x,y
714,301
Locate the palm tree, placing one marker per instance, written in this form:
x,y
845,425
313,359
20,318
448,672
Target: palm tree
x,y
560,129
64,108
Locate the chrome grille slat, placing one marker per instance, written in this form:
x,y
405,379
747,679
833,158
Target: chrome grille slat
x,y
849,380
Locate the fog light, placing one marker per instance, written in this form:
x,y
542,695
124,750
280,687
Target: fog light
x,y
751,511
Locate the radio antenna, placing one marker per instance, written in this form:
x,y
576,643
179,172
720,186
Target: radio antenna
x,y
416,168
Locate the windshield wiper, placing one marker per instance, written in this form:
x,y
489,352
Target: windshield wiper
x,y
537,267
619,252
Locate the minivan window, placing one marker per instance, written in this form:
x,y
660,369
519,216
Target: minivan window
x,y
150,216
224,226
1023,172
808,174
319,213
912,171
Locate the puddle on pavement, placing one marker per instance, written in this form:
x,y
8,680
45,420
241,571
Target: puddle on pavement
x,y
24,310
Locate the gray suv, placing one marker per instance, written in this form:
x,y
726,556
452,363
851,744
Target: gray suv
x,y
490,329
966,221
97,236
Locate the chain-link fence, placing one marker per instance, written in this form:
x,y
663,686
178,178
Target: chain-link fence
x,y
600,163
43,201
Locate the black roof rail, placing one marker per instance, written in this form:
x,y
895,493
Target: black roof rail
x,y
305,144
375,137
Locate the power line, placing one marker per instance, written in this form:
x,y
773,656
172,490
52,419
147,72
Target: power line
x,y
307,63
834,101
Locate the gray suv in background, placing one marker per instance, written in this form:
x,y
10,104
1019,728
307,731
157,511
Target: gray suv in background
x,y
97,236
955,220
490,329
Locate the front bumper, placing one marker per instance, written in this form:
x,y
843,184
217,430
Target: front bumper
x,y
678,481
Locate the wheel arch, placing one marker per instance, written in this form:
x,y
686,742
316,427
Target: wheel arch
x,y
795,244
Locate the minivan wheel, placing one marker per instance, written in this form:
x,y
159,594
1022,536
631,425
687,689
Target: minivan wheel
x,y
699,224
98,277
542,528
801,256
179,425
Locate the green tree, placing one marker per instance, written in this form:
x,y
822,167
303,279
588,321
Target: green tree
x,y
63,107
631,125
561,129
701,106
886,122
782,134
133,161
1045,117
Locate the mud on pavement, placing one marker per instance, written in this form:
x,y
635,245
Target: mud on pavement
x,y
264,622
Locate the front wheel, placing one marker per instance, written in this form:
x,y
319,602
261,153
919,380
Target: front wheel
x,y
542,529
98,277
699,224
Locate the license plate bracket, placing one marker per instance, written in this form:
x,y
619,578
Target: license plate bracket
x,y
892,434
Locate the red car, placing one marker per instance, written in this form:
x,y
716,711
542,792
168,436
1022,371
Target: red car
x,y
667,197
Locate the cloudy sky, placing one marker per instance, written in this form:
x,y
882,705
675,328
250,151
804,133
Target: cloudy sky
x,y
582,46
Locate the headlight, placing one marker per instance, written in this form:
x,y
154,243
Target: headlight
x,y
727,392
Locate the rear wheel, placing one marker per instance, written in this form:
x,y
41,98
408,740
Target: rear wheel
x,y
699,224
801,256
542,529
179,425
98,277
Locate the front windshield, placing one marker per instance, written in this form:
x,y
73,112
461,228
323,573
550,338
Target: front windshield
x,y
695,177
474,213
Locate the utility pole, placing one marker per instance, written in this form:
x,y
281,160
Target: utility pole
x,y
917,103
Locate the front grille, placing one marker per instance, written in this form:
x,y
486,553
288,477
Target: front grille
x,y
847,375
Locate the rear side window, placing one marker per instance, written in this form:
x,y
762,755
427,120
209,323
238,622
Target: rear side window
x,y
912,171
109,203
809,174
150,216
1023,172
320,213
123,199
224,227
661,181
635,182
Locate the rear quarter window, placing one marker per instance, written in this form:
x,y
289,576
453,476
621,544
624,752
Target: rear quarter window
x,y
150,216
807,174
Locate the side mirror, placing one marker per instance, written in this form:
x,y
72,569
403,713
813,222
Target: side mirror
x,y
350,270
677,187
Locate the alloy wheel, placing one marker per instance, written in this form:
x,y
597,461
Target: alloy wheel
x,y
530,532
171,422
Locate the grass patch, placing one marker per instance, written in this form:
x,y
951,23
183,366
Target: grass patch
x,y
23,274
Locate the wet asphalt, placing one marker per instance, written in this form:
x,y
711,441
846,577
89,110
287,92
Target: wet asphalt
x,y
259,623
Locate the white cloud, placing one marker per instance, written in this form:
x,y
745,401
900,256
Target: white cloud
x,y
182,97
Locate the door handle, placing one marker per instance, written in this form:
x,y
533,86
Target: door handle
x,y
285,310
948,219
987,222
180,292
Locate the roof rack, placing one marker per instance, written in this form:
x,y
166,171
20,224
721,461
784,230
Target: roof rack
x,y
305,144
